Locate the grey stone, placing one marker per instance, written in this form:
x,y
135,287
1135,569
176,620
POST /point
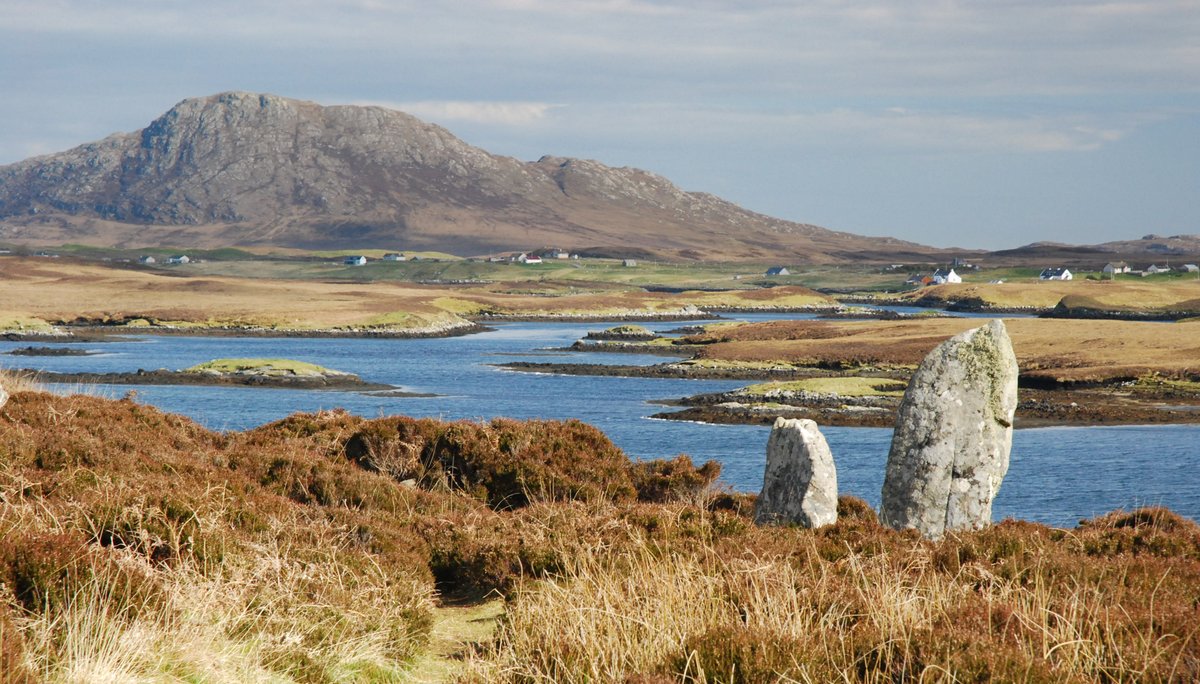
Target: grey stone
x,y
953,435
3,397
800,482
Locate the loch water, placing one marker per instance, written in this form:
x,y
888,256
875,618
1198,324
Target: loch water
x,y
1057,475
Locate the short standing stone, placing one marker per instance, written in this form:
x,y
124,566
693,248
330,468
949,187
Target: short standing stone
x,y
800,483
953,435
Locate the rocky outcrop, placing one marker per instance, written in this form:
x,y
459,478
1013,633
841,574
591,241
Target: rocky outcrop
x,y
800,482
953,435
250,169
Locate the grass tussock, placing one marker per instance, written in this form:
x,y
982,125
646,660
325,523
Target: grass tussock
x,y
138,546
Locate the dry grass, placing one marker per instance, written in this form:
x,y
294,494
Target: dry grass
x,y
1074,350
138,546
857,604
18,382
1121,294
37,294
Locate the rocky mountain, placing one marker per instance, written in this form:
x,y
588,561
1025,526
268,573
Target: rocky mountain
x,y
248,169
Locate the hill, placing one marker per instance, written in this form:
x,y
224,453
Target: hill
x,y
249,169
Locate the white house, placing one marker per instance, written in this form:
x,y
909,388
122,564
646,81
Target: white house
x,y
1190,268
778,271
1154,268
1055,274
356,260
178,259
1114,267
629,263
529,259
394,256
146,260
943,276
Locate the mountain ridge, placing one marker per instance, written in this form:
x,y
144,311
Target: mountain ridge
x,y
240,168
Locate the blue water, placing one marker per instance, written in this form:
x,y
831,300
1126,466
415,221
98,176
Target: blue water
x,y
1058,475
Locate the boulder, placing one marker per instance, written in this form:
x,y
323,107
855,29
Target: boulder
x,y
953,435
800,482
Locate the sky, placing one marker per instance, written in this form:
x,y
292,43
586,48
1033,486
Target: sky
x,y
972,123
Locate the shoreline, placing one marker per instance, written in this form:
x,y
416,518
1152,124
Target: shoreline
x,y
1084,405
163,377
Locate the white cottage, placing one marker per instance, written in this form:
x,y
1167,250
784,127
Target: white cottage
x,y
943,276
1055,274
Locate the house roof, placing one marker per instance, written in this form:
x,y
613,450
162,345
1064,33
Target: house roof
x,y
1053,272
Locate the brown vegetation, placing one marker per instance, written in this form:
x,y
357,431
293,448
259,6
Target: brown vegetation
x,y
1120,295
65,292
138,545
1071,351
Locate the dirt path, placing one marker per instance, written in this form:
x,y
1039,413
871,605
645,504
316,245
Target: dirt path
x,y
455,630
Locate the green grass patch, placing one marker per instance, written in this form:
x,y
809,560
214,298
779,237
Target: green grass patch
x,y
24,324
853,386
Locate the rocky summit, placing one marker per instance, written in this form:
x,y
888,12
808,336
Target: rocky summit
x,y
953,435
250,169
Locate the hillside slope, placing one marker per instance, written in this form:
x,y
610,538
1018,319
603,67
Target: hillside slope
x,y
249,169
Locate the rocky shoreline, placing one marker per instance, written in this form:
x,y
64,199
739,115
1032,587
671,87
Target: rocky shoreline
x,y
50,351
1035,408
102,333
344,382
1111,404
656,371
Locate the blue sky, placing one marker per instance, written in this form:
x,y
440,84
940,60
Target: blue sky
x,y
980,123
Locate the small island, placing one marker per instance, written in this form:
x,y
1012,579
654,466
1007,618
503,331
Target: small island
x,y
265,373
625,333
50,351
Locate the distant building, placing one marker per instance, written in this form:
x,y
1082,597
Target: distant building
x,y
1055,274
629,263
1154,268
1190,268
178,259
943,276
147,260
394,256
529,259
1114,267
778,271
556,254
356,260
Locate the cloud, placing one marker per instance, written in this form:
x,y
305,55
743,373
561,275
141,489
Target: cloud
x,y
881,129
499,113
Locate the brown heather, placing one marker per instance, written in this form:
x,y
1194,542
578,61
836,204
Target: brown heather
x,y
136,545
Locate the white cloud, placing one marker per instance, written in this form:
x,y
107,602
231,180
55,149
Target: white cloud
x,y
500,113
860,129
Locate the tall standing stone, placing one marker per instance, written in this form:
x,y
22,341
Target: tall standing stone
x,y
3,397
800,483
953,435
